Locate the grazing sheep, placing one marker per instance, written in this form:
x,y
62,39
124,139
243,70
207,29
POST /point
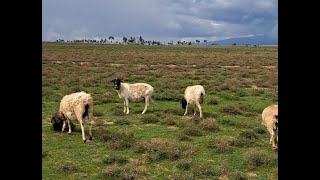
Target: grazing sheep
x,y
193,95
270,121
74,107
134,93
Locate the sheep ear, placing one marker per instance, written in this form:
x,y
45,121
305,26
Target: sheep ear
x,y
53,120
112,81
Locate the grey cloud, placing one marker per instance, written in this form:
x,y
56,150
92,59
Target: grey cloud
x,y
158,19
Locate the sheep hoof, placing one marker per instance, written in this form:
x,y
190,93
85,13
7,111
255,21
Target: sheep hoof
x,y
84,141
90,138
69,133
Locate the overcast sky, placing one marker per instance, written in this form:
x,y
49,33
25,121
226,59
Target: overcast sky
x,y
161,20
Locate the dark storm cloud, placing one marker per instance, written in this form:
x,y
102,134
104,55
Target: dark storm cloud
x,y
159,19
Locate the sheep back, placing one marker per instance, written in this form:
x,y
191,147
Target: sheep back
x,y
75,102
268,115
138,91
194,94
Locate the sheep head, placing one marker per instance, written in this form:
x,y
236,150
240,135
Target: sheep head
x,y
57,121
116,83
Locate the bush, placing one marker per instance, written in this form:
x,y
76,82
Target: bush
x,y
131,170
231,84
230,97
150,119
242,142
221,145
117,138
115,159
68,167
97,113
231,110
168,96
238,175
242,93
248,135
184,138
227,122
193,132
209,125
257,158
158,149
44,153
205,170
122,122
117,110
213,101
184,164
260,130
168,121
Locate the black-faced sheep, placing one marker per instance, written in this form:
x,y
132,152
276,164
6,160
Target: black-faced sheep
x,y
136,92
74,107
193,95
270,121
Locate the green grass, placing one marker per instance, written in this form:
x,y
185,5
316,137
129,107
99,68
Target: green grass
x,y
161,144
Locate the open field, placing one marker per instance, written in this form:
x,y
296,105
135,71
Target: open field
x,y
229,143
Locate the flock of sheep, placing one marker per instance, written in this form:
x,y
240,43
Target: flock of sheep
x,y
77,106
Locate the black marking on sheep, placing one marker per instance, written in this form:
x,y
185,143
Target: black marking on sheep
x,y
85,114
201,99
183,103
116,83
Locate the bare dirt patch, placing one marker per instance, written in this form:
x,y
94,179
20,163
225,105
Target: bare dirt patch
x,y
270,67
172,127
230,66
84,63
256,87
171,66
57,62
116,65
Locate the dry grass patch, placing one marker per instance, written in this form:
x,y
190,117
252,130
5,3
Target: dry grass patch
x,y
157,149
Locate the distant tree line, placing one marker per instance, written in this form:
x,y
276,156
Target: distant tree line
x,y
139,41
126,40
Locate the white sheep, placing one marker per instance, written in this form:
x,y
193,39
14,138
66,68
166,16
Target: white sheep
x,y
270,121
136,92
193,95
74,107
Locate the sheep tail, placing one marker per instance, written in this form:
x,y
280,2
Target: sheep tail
x,y
201,99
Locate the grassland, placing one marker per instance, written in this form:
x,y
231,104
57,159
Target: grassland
x,y
229,143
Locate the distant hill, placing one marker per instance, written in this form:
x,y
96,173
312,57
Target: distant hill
x,y
258,40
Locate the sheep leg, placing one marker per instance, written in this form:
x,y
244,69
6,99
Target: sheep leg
x,y
275,141
186,110
69,125
124,106
79,117
146,105
194,111
90,119
271,134
152,102
82,131
127,105
200,109
63,126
